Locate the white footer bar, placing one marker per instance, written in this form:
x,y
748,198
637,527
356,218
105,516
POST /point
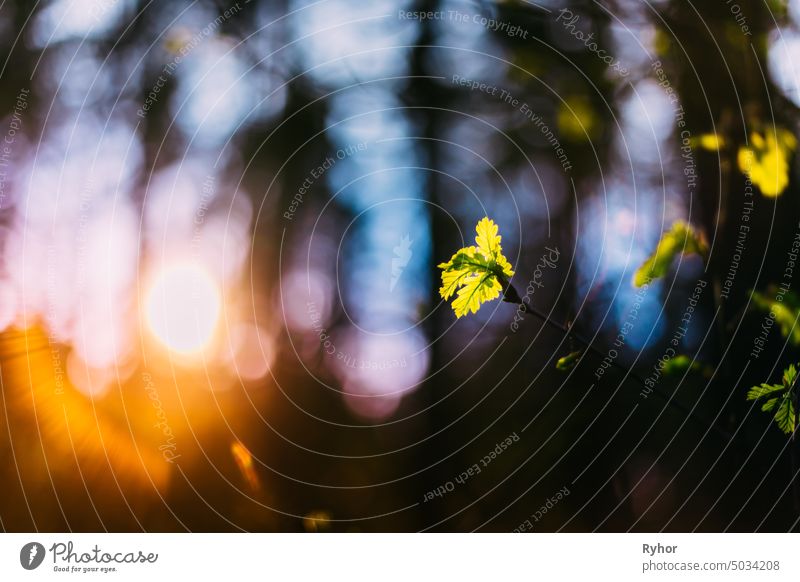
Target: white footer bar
x,y
389,557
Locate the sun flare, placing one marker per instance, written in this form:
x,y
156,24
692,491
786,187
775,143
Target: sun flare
x,y
183,307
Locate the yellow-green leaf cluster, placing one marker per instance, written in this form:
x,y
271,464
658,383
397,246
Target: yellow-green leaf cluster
x,y
780,398
681,238
765,160
475,273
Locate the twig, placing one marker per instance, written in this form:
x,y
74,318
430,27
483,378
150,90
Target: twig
x,y
510,295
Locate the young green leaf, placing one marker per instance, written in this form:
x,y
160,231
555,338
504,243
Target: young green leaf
x,y
477,273
784,417
780,396
769,405
789,375
681,238
463,264
757,392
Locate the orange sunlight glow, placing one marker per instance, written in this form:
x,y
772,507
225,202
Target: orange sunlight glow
x,y
183,308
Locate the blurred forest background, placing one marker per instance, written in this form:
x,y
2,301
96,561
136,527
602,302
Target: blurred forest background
x,y
286,175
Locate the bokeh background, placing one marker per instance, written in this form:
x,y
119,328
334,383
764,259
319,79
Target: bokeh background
x,y
219,231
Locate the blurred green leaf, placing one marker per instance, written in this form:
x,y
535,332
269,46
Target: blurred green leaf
x,y
786,311
681,238
681,363
708,141
576,119
568,362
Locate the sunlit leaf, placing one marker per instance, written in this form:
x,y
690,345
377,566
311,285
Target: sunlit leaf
x,y
478,288
765,160
475,273
681,238
488,242
568,362
462,264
